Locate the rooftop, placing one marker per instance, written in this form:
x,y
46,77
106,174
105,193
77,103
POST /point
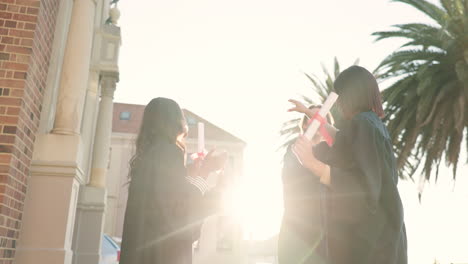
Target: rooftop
x,y
127,119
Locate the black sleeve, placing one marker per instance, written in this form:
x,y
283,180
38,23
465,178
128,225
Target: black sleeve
x,y
339,155
171,190
356,176
291,165
347,197
179,203
201,205
367,152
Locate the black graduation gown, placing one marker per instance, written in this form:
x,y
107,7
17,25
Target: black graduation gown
x,y
164,211
366,213
302,238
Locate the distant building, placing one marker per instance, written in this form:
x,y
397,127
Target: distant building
x,y
221,237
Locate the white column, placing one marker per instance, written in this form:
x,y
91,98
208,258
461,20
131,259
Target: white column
x,y
92,199
75,71
89,225
103,131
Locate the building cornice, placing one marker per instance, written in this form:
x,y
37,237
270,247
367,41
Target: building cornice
x,y
57,169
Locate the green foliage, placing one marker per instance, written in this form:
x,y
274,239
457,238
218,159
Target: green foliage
x,y
427,105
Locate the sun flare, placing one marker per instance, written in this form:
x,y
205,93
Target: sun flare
x,y
256,201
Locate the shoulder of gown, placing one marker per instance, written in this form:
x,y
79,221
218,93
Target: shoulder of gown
x,y
364,128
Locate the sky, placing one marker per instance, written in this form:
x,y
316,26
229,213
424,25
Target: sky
x,y
236,63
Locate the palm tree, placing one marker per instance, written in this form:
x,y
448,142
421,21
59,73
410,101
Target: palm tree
x,y
427,104
321,89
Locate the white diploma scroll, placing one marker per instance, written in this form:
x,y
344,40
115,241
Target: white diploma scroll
x,y
201,137
324,110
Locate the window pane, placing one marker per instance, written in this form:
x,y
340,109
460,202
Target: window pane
x,y
125,115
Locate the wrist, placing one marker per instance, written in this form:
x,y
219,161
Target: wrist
x,y
203,173
325,177
310,166
192,170
309,113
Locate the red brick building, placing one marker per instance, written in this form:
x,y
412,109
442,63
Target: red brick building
x,y
26,32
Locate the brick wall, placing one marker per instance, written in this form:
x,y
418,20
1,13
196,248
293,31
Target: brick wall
x,y
26,36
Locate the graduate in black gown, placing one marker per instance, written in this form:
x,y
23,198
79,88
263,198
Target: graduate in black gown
x,y
366,215
165,206
303,235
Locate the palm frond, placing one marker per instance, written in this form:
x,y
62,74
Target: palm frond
x,y
336,68
427,8
427,110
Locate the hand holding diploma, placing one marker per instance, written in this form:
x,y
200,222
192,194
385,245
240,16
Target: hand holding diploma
x,y
303,148
206,163
201,152
214,161
318,118
318,121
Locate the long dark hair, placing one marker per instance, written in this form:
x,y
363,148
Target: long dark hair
x,y
163,121
359,92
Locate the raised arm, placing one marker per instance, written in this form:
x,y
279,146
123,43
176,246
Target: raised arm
x,y
300,108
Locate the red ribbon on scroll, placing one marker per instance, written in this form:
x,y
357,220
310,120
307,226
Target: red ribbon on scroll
x,y
323,130
198,155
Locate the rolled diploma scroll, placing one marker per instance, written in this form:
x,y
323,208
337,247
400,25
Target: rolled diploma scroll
x,y
201,137
327,105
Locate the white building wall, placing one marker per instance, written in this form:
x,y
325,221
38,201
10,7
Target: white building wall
x,y
122,149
